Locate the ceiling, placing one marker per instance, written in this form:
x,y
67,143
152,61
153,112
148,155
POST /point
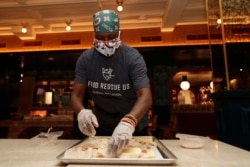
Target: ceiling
x,y
50,16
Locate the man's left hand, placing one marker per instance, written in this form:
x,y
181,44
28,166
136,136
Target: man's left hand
x,y
120,138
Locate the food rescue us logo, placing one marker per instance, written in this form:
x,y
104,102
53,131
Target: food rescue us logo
x,y
104,87
107,73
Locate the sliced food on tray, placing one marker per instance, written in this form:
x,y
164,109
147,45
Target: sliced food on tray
x,y
138,147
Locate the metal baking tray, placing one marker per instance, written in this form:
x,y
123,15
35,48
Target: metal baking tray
x,y
164,157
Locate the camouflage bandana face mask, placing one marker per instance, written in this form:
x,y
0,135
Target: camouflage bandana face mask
x,y
105,21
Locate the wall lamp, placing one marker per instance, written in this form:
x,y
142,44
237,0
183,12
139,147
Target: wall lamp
x,y
68,23
185,85
48,96
119,5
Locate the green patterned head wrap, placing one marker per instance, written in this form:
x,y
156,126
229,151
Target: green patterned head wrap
x,y
106,21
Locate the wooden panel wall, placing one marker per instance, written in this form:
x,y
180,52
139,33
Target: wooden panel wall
x,y
131,37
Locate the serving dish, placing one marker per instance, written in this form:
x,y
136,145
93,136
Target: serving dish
x,y
163,156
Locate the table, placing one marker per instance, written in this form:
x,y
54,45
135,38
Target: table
x,y
42,153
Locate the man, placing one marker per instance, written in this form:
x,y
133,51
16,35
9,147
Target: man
x,y
115,75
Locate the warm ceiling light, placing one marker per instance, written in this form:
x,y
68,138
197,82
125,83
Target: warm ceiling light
x,y
120,8
68,27
119,5
219,21
185,85
24,28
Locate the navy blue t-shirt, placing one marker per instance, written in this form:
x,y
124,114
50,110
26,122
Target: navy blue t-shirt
x,y
112,83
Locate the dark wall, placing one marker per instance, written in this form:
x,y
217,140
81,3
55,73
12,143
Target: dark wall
x,y
238,60
161,61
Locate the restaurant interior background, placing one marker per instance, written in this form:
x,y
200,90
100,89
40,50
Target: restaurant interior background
x,y
174,43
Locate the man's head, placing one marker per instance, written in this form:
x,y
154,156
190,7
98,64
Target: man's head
x,y
106,32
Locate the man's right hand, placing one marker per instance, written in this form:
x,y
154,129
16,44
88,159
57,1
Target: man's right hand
x,y
87,122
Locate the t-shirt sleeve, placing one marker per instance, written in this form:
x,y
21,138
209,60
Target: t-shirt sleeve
x,y
138,71
80,68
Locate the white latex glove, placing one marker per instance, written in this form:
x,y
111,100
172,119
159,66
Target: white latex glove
x,y
120,138
87,122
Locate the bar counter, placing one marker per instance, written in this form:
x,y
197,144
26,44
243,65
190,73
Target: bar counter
x,y
41,152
